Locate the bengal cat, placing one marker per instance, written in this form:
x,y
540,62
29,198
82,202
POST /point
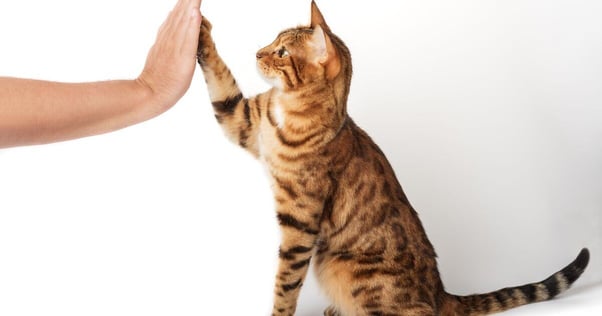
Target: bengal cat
x,y
338,201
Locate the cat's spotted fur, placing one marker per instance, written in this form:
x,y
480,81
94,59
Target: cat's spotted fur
x,y
338,200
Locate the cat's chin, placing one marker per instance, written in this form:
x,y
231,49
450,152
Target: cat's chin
x,y
272,81
264,73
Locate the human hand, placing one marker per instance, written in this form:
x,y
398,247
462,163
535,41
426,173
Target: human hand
x,y
170,63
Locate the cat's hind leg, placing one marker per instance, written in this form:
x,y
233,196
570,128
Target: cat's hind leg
x,y
419,309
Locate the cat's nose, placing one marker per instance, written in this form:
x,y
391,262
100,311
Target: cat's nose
x,y
260,54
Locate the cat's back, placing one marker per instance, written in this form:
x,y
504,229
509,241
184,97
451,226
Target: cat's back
x,y
369,233
367,195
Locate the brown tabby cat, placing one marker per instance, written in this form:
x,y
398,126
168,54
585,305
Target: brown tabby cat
x,y
338,199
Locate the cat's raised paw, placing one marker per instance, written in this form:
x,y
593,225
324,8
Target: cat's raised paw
x,y
206,25
205,41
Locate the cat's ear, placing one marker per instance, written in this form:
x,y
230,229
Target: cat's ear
x,y
324,52
317,18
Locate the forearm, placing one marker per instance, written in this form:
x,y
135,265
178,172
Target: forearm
x,y
38,112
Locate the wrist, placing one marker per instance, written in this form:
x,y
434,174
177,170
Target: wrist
x,y
149,103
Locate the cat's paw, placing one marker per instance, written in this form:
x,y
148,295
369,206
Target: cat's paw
x,y
206,25
205,41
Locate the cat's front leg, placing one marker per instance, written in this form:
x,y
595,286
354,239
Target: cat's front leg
x,y
295,255
238,116
223,90
299,223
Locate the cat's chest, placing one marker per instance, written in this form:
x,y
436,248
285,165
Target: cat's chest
x,y
270,148
288,147
279,116
272,124
285,135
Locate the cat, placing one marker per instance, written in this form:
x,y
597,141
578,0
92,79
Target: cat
x,y
338,201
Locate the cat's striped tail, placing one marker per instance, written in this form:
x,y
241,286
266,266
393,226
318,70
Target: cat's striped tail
x,y
507,298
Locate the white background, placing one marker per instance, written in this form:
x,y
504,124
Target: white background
x,y
489,111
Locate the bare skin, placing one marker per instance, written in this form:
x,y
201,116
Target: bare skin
x,y
39,112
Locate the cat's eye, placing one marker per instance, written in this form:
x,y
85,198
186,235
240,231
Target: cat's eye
x,y
282,52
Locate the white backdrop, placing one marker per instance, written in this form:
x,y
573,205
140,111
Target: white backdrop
x,y
489,112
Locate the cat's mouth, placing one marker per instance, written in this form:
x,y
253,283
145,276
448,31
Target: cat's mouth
x,y
262,69
267,75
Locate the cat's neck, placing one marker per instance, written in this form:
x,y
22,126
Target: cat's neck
x,y
312,103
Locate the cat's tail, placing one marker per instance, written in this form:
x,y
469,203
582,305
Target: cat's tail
x,y
507,298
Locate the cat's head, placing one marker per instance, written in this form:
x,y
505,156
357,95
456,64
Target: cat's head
x,y
306,55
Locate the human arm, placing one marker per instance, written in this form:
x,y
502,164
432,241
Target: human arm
x,y
38,112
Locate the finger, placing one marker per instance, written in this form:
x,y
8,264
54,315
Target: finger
x,y
178,23
164,29
180,12
191,39
170,24
163,26
195,4
187,30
